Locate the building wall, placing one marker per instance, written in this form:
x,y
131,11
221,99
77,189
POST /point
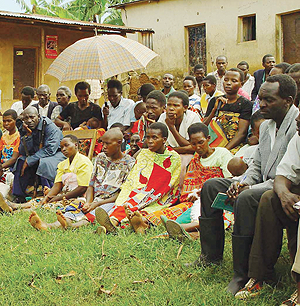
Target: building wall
x,y
169,19
20,35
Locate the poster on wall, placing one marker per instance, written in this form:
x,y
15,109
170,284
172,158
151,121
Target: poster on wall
x,y
51,46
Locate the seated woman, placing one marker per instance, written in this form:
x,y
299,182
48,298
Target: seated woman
x,y
63,96
110,170
232,111
71,181
151,184
207,163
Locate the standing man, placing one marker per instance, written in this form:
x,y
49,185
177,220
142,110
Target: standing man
x,y
276,104
27,95
44,106
260,76
168,82
199,73
221,63
249,81
117,109
40,152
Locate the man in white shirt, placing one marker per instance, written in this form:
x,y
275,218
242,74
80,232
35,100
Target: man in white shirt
x,y
221,63
44,106
27,95
117,109
178,118
249,80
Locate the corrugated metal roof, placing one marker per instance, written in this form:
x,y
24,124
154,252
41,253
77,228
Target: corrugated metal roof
x,y
69,22
122,5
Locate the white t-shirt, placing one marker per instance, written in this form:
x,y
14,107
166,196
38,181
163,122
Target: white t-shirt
x,y
188,119
121,113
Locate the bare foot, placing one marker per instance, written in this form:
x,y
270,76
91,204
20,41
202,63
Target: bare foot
x,y
61,219
36,222
4,206
137,221
46,190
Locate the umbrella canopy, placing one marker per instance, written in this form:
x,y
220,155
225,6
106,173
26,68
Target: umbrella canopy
x,y
100,57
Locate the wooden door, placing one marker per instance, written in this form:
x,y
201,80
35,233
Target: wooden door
x,y
24,69
291,37
197,46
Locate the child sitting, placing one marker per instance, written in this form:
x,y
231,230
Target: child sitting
x,y
209,85
135,144
189,85
9,150
151,184
71,181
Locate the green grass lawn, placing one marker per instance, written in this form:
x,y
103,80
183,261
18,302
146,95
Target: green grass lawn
x,y
28,255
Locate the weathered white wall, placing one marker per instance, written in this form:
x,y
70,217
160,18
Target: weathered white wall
x,y
168,18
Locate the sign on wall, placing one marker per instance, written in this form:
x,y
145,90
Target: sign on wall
x,y
51,46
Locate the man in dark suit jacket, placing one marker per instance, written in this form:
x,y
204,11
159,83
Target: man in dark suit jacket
x,y
268,62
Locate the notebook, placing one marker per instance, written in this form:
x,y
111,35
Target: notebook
x,y
219,202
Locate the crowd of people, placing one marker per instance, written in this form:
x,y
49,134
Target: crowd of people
x,y
165,159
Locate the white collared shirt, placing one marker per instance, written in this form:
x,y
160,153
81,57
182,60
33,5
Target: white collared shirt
x,y
43,111
121,113
18,106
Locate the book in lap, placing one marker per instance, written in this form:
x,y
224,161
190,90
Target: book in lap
x,y
221,203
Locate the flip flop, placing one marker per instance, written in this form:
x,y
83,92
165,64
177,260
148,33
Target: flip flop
x,y
176,231
103,219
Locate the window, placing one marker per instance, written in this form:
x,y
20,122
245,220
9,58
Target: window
x,y
147,40
248,28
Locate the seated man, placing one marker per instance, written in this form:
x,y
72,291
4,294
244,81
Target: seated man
x,y
189,85
276,103
71,181
155,106
178,118
81,111
40,153
44,106
117,109
9,150
27,95
276,211
152,182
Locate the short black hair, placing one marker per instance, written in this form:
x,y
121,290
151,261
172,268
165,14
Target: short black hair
x,y
198,66
211,79
158,96
12,113
160,126
242,76
257,116
28,91
190,78
73,138
294,68
198,127
182,96
265,57
283,66
115,84
222,56
287,85
145,89
82,86
243,63
117,125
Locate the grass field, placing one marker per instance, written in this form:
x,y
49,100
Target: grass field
x,y
32,260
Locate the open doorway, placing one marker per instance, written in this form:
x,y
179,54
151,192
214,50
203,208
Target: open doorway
x,y
24,73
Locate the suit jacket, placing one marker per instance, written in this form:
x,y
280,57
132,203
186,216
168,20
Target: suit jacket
x,y
258,76
261,172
